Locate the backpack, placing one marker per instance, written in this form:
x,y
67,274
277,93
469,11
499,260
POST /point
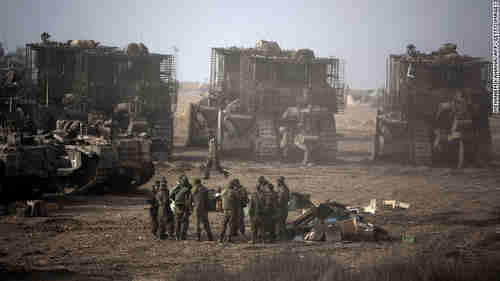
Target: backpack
x,y
181,196
269,201
229,200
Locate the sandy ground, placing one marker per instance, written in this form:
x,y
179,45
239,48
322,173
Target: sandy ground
x,y
108,237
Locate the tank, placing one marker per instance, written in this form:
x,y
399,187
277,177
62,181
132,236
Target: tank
x,y
252,88
435,109
28,165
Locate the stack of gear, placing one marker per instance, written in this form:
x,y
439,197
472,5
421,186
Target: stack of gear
x,y
304,55
134,49
270,48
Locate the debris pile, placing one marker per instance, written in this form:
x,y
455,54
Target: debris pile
x,y
333,222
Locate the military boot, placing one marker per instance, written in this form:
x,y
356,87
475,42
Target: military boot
x,y
210,236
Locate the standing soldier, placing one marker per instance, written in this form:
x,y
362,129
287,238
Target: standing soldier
x,y
153,209
242,202
200,202
165,215
230,207
213,159
183,205
254,213
268,213
286,142
283,198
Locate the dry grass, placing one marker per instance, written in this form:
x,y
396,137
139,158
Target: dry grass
x,y
294,267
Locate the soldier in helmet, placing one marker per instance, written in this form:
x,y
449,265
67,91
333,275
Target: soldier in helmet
x,y
181,195
255,210
268,211
213,159
230,206
242,203
153,208
165,215
254,207
200,202
283,198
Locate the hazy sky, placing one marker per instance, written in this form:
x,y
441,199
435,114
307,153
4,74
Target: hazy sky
x,y
363,32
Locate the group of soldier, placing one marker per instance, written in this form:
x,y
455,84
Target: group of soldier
x,y
267,210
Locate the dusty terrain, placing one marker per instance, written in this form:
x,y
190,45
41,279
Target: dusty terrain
x,y
108,237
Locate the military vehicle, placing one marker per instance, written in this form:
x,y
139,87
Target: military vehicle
x,y
435,109
256,91
87,79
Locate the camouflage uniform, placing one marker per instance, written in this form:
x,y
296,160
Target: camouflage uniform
x,y
283,198
153,209
268,210
183,205
255,210
242,202
165,215
255,219
213,159
200,202
230,206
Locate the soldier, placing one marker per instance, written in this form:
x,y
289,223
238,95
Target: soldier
x,y
286,142
283,198
183,206
153,209
242,202
261,183
213,159
253,213
165,215
230,207
268,211
255,210
200,202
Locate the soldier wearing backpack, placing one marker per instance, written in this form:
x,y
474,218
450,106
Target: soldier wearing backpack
x,y
284,197
242,202
256,210
183,207
200,202
268,213
230,206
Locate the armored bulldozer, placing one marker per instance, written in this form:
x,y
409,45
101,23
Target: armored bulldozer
x,y
256,91
435,109
92,81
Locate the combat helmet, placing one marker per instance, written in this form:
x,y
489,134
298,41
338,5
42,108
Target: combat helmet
x,y
234,183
